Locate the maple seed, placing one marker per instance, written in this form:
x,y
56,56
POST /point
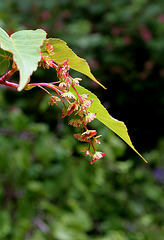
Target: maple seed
x,y
75,122
62,85
75,81
96,140
68,95
64,112
96,156
73,106
88,153
88,134
88,118
86,105
85,96
77,136
53,100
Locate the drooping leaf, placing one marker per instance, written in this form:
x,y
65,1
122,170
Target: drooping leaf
x,y
4,61
25,47
63,52
103,116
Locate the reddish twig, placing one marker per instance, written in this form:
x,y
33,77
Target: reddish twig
x,y
7,75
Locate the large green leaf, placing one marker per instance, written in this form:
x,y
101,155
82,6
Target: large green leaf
x,y
103,116
25,47
4,61
63,52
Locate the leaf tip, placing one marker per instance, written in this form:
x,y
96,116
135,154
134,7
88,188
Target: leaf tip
x,y
19,89
145,160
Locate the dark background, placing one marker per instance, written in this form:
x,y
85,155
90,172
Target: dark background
x,y
48,189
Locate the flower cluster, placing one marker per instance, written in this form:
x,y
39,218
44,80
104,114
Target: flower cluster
x,y
75,104
81,117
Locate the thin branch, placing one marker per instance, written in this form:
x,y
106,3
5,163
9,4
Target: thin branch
x,y
80,98
7,75
9,84
49,85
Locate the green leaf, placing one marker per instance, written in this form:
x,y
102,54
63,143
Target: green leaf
x,y
103,116
4,61
25,47
63,52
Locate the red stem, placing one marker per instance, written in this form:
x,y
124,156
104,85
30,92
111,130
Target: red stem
x,y
49,85
9,84
7,75
81,100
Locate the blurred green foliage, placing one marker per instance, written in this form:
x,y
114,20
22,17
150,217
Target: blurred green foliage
x,y
48,190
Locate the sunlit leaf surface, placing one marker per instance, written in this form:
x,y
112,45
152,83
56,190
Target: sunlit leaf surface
x,y
63,52
25,47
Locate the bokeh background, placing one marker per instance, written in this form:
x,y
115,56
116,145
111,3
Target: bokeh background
x,y
48,189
